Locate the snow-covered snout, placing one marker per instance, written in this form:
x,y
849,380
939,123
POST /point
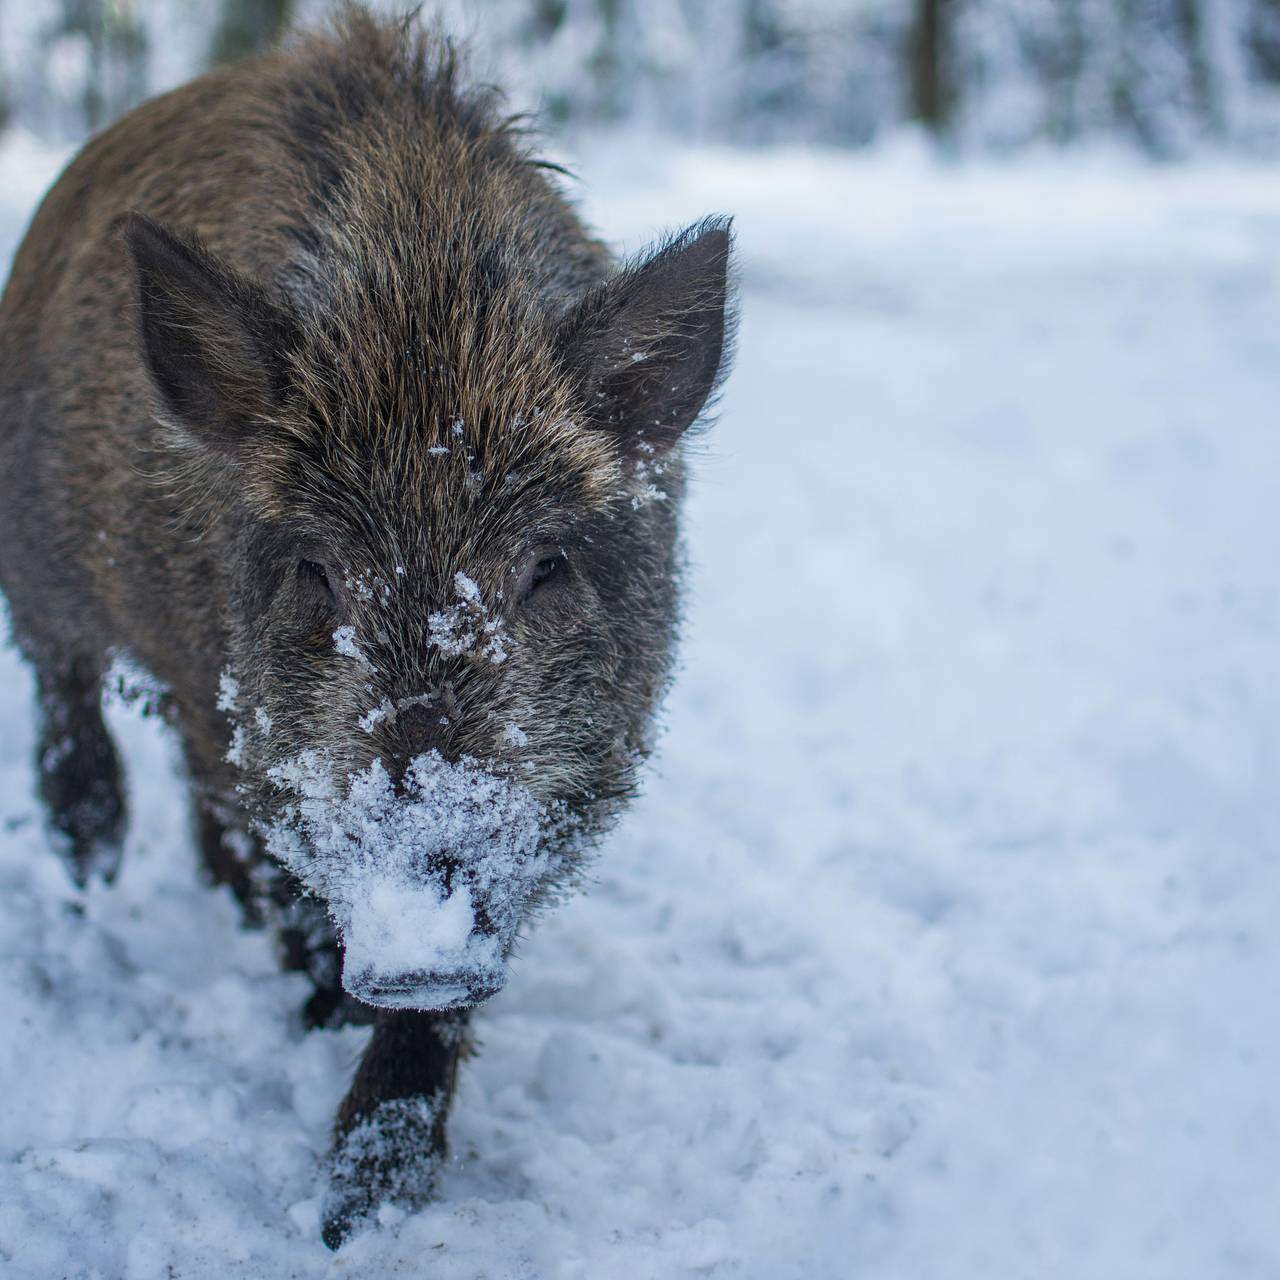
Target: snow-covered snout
x,y
417,766
426,880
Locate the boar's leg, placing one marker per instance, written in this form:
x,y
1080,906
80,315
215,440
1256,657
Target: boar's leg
x,y
79,770
305,938
389,1139
308,944
228,855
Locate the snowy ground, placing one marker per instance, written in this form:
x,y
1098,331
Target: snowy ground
x,y
944,943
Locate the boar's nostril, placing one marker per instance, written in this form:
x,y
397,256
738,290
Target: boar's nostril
x,y
419,729
484,921
420,722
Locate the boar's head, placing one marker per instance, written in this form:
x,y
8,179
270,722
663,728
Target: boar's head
x,y
439,504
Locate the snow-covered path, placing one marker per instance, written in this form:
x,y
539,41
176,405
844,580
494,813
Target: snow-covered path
x,y
943,944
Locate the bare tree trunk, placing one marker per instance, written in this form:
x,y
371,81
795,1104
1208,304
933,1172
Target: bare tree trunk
x,y
1215,36
930,68
117,47
248,25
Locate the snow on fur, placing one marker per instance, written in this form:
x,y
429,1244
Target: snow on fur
x,y
406,871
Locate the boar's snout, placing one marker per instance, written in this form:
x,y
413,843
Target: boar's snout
x,y
427,878
467,952
416,729
422,989
464,963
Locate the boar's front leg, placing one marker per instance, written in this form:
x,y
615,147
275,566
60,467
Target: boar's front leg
x,y
228,853
308,944
305,938
79,771
389,1140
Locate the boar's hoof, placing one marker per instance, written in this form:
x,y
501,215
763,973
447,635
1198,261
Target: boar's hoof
x,y
87,856
89,859
80,786
393,1156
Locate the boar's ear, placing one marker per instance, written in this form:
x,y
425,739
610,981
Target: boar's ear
x,y
210,338
649,346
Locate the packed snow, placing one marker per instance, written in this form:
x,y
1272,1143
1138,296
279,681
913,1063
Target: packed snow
x,y
942,943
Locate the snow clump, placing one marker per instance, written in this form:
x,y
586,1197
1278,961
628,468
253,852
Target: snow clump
x,y
426,884
466,627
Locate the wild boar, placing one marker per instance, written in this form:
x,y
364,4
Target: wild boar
x,y
319,403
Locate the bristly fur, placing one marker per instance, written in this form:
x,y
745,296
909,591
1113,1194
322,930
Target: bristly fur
x,y
318,401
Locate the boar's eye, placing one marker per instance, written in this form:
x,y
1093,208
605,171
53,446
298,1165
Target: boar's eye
x,y
315,580
545,567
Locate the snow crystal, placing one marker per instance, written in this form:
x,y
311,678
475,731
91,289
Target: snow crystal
x,y
449,632
358,583
650,493
383,711
228,690
386,709
345,642
646,470
468,591
467,626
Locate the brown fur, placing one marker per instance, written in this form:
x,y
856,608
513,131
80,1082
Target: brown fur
x,y
363,345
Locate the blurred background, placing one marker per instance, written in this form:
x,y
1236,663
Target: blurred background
x,y
1166,75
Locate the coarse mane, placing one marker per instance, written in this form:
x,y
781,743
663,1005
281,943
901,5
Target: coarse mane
x,y
433,249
